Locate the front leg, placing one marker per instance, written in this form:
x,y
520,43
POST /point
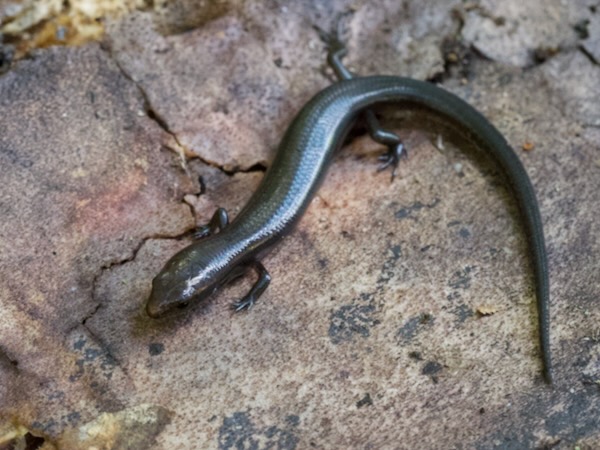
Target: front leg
x,y
256,291
219,221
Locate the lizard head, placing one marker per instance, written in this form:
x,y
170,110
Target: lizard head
x,y
190,275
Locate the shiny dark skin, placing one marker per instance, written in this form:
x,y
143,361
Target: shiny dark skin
x,y
299,166
200,269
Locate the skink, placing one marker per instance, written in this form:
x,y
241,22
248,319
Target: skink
x,y
299,166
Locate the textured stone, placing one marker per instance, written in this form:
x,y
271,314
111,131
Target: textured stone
x,y
86,178
592,43
368,336
229,88
521,32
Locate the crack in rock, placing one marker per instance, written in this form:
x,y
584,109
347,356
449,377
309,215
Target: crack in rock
x,y
182,151
589,55
124,261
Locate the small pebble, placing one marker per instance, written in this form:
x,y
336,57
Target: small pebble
x,y
528,146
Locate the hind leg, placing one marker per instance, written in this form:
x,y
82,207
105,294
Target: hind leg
x,y
336,52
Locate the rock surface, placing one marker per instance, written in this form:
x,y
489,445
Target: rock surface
x,y
399,316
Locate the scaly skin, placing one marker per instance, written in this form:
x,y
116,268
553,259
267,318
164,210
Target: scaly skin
x,y
299,166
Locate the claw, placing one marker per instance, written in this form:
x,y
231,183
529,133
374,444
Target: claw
x,y
202,232
219,221
334,37
392,158
245,303
387,162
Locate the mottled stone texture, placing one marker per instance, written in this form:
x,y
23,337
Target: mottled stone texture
x,y
368,336
86,179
